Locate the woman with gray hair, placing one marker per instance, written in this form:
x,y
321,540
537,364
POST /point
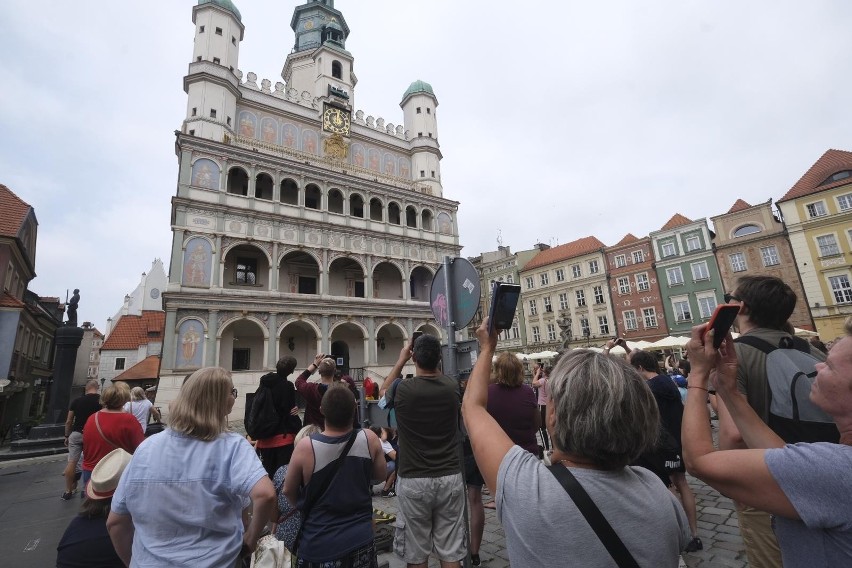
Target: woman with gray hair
x,y
601,415
140,407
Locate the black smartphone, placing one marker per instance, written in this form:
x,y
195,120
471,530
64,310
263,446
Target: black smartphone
x,y
721,321
504,302
415,335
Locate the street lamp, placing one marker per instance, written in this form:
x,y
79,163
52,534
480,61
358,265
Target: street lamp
x,y
102,384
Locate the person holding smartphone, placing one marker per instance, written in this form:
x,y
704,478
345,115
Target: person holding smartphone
x,y
539,383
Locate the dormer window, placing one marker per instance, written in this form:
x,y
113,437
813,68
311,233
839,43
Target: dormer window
x,y
746,230
837,177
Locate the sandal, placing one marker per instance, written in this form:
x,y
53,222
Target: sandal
x,y
381,517
490,505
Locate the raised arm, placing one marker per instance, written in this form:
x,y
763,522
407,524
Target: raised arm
x,y
489,442
404,356
302,379
739,474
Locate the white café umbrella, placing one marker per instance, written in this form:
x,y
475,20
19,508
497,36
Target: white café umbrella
x,y
799,332
670,341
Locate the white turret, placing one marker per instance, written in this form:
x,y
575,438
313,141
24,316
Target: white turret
x,y
419,106
212,83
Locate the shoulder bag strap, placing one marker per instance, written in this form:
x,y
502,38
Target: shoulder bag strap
x,y
594,517
335,465
101,432
756,342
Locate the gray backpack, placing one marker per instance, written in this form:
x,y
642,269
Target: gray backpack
x,y
790,372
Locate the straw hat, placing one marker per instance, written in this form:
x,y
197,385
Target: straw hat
x,y
106,474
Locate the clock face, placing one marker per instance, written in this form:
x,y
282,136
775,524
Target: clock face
x,y
155,293
335,120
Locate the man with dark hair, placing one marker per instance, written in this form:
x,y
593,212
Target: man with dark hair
x,y
766,303
338,406
78,413
276,450
429,483
671,415
313,392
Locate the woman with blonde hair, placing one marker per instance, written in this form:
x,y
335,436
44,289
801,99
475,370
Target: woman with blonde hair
x,y
109,428
140,407
180,501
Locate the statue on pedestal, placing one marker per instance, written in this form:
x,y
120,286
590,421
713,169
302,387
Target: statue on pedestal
x,y
72,308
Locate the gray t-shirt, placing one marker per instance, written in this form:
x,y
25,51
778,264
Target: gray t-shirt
x,y
816,479
544,528
427,416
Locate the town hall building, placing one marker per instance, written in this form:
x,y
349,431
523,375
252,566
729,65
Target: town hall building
x,y
300,224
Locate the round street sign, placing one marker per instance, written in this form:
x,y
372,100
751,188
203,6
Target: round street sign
x,y
465,292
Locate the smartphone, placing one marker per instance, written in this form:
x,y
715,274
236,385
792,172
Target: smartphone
x,y
721,321
415,335
504,302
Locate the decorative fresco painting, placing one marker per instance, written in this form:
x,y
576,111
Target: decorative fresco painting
x,y
190,348
205,173
196,262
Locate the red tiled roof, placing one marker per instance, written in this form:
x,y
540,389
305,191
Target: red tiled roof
x,y
831,162
14,209
147,368
628,238
677,220
564,252
738,206
9,301
132,331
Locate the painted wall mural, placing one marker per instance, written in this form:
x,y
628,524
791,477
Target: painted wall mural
x,y
197,258
190,347
389,164
290,135
445,224
405,168
310,141
269,130
205,173
247,124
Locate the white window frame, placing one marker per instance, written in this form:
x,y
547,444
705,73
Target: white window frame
x,y
530,282
680,313
620,260
643,283
674,270
560,275
576,271
533,307
551,332
693,243
536,334
738,262
649,318
548,308
705,310
581,297
563,301
638,256
844,202
828,249
629,318
841,288
603,325
543,279
623,283
599,295
593,267
585,326
769,255
816,209
701,266
668,249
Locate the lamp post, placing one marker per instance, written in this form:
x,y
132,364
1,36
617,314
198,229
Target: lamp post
x,y
102,384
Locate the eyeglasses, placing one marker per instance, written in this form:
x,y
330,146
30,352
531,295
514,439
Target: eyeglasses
x,y
234,392
729,297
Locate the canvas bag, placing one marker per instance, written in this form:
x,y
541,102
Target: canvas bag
x,y
790,372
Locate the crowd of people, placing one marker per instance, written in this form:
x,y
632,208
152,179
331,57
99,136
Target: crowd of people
x,y
585,462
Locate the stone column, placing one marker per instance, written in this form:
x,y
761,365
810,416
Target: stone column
x,y
167,360
368,277
273,272
325,340
372,354
324,271
273,340
177,255
216,279
210,351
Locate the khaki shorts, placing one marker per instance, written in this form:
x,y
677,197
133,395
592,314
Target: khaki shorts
x,y
75,446
431,517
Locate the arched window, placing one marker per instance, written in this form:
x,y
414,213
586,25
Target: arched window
x,y
335,201
263,186
238,181
376,210
426,220
410,217
394,214
289,192
356,205
746,230
313,196
336,70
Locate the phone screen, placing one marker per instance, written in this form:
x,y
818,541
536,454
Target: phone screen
x,y
721,321
504,301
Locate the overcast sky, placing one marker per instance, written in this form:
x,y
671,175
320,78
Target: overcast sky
x,y
557,120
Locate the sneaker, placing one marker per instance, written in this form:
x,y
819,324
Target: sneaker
x,y
694,545
389,492
474,560
66,496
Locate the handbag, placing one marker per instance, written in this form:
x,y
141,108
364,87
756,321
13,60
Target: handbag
x,y
292,519
270,553
594,517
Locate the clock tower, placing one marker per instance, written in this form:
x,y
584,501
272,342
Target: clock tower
x,y
319,63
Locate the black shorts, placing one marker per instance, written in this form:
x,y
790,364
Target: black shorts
x,y
472,475
673,462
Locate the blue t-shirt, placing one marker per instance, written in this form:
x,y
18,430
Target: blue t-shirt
x,y
185,497
816,479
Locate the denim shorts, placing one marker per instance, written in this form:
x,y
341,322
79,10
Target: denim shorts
x,y
430,517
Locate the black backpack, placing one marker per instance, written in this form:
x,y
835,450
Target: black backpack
x,y
263,419
790,372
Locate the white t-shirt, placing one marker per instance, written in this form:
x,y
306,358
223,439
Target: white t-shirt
x,y
140,409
